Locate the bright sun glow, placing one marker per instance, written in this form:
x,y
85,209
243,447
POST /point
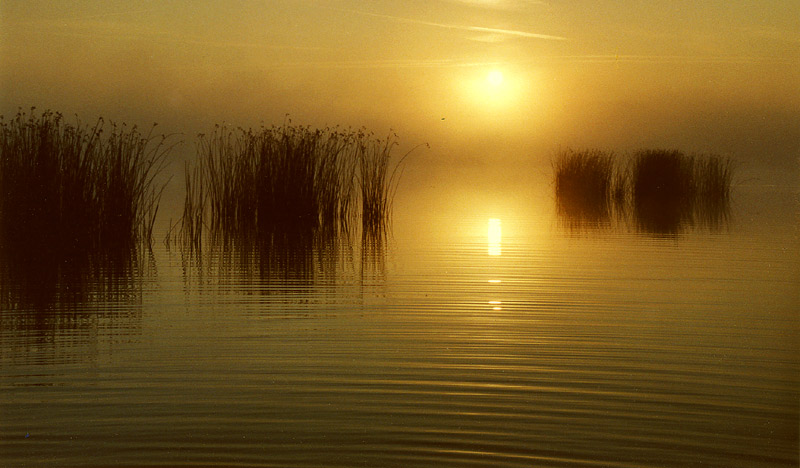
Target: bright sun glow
x,y
495,78
496,90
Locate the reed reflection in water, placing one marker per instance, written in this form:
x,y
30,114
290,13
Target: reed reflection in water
x,y
59,306
650,216
286,265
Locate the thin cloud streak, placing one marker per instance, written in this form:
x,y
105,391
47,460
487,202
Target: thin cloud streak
x,y
506,32
732,59
375,64
510,32
502,5
95,29
466,63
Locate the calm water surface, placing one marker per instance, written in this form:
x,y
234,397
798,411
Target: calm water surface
x,y
487,332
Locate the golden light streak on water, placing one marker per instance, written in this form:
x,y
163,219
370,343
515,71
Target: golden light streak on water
x,y
495,237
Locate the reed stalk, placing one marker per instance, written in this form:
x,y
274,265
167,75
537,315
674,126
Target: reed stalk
x,y
288,182
77,188
583,184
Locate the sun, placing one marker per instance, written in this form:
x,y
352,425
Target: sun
x,y
495,78
495,89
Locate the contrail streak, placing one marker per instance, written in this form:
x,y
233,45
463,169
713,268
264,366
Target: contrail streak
x,y
507,32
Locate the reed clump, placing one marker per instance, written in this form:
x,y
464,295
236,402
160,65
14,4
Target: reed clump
x,y
664,189
714,174
660,190
584,184
378,184
76,188
287,182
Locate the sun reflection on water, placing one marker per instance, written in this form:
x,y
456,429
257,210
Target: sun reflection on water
x,y
494,240
495,236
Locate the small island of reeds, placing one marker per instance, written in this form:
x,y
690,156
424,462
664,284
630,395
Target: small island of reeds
x,y
660,190
288,183
76,189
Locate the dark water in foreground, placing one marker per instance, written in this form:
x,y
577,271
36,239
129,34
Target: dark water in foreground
x,y
486,333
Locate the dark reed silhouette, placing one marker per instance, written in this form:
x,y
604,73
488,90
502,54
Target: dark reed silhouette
x,y
671,189
664,189
659,191
583,185
287,182
75,189
378,185
712,205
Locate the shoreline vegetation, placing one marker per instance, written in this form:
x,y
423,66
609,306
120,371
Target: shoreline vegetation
x,y
659,191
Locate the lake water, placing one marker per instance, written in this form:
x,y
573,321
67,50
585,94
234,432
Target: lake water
x,y
488,331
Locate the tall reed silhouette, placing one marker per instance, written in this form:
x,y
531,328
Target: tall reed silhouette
x,y
583,185
75,188
378,183
287,182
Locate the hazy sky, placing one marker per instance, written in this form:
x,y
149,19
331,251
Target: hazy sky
x,y
616,74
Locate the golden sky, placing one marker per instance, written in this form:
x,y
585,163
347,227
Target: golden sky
x,y
617,74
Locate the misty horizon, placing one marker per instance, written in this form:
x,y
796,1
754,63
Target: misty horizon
x,y
618,76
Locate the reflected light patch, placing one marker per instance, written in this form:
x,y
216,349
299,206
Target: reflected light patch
x,y
495,281
495,236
